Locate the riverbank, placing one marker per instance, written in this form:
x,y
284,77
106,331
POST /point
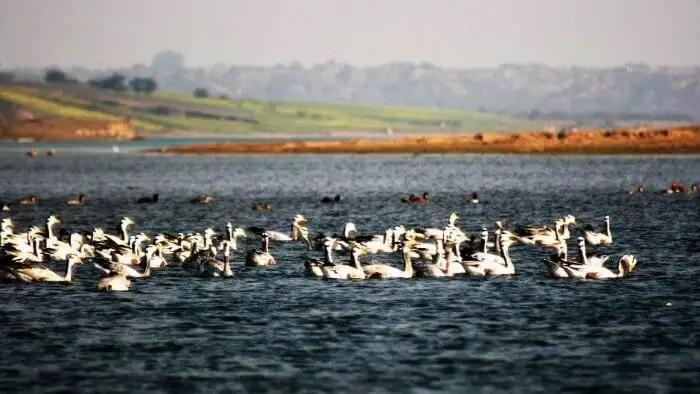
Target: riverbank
x,y
684,139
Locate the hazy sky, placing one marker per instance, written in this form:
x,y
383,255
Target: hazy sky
x,y
101,33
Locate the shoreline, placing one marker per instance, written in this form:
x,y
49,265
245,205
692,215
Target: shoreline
x,y
675,140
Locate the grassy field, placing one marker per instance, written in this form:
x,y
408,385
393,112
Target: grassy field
x,y
171,111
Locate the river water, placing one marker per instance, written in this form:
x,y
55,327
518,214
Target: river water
x,y
276,330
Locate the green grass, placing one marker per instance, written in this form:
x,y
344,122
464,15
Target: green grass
x,y
268,117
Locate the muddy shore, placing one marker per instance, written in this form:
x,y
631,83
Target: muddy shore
x,y
684,139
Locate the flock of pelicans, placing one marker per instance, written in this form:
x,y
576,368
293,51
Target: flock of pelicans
x,y
428,252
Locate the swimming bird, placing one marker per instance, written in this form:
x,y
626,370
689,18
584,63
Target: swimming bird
x,y
210,267
148,200
37,273
330,200
299,231
30,200
5,207
385,271
475,198
586,270
260,257
202,200
262,207
351,271
154,256
114,282
313,266
77,201
492,267
594,238
414,199
113,264
232,235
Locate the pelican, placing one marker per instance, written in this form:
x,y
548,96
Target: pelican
x,y
260,257
594,238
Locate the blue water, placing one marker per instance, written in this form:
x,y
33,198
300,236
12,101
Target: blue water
x,y
276,330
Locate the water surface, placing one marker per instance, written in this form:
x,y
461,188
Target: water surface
x,y
277,330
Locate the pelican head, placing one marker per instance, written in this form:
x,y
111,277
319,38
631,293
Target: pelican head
x,y
239,232
52,220
484,235
569,219
126,221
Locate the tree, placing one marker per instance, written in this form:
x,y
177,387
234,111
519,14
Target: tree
x,y
55,75
113,82
143,85
201,93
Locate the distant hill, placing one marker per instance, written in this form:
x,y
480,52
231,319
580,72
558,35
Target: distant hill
x,y
655,92
24,105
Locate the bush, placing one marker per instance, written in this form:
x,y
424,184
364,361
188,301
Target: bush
x,y
143,85
113,82
201,93
55,75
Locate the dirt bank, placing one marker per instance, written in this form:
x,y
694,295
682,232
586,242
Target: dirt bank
x,y
685,139
59,129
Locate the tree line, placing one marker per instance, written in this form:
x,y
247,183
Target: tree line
x,y
116,81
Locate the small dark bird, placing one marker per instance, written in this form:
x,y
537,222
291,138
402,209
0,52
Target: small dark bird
x,y
262,206
329,200
31,153
77,201
51,152
203,200
29,200
148,200
414,199
475,198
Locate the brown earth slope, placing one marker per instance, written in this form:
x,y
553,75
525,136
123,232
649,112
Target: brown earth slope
x,y
684,139
68,129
